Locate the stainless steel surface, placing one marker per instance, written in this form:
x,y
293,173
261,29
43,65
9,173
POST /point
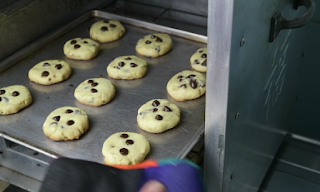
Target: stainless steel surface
x,y
251,91
19,180
120,113
279,23
220,19
295,168
26,21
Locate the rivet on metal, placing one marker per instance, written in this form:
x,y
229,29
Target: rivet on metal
x,y
237,115
242,41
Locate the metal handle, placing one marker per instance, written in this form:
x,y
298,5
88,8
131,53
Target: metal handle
x,y
278,22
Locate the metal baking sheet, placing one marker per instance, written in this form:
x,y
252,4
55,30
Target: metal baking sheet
x,y
120,114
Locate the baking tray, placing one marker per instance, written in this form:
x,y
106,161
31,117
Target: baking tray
x,y
25,127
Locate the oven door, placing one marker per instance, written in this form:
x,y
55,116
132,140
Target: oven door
x,y
252,81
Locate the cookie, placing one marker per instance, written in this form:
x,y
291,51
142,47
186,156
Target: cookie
x,y
50,72
95,92
13,99
127,67
154,45
106,31
199,60
158,115
81,49
187,85
66,123
125,148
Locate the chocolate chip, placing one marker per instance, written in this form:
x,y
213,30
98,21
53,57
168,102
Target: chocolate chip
x,y
59,66
157,49
104,28
0,99
196,61
180,76
94,90
45,74
154,110
90,81
69,111
46,65
129,142
85,42
113,25
133,65
200,51
124,135
204,55
183,86
76,46
180,80
128,58
70,122
2,92
204,63
56,118
124,151
148,42
193,83
49,79
167,109
153,36
121,64
94,84
73,42
159,39
159,117
155,103
190,76
15,93
105,21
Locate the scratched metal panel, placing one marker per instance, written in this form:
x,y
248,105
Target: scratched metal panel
x,y
245,129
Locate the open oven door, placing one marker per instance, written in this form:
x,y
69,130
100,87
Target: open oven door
x,y
254,52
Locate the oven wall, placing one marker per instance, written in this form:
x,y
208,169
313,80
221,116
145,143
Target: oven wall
x,y
306,114
23,22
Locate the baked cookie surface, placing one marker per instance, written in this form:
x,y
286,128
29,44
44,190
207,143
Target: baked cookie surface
x,y
66,123
199,60
154,45
13,99
187,85
95,92
158,115
125,148
81,49
127,67
106,31
50,72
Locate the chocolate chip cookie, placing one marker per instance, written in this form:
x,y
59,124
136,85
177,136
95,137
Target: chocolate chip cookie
x,y
199,60
106,31
81,49
158,115
125,148
127,67
66,123
154,45
186,85
13,99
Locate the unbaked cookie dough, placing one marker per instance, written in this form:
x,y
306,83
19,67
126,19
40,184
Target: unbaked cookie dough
x,y
154,45
158,115
95,92
199,60
66,123
50,72
187,85
81,49
13,99
127,67
106,31
125,148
